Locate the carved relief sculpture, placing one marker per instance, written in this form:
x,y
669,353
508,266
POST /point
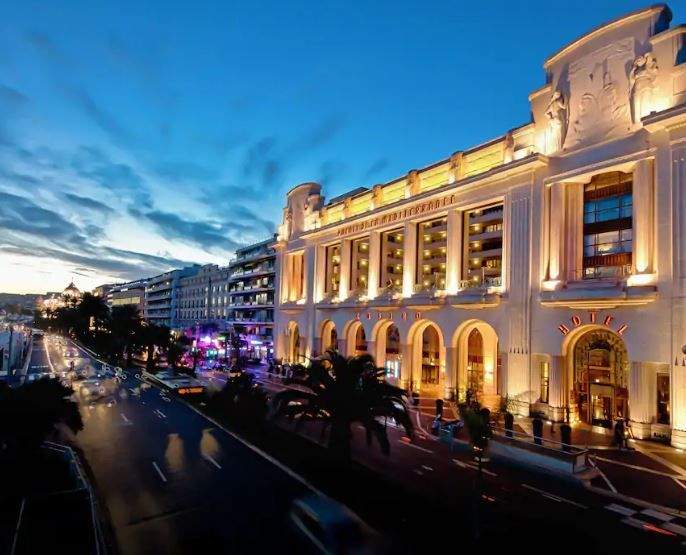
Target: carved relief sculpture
x,y
455,166
642,86
509,147
377,197
556,112
412,184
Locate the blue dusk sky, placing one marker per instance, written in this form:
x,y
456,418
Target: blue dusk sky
x,y
139,136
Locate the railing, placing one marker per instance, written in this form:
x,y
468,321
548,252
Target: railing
x,y
481,283
605,273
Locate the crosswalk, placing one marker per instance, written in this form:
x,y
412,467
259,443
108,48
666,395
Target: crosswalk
x,y
651,520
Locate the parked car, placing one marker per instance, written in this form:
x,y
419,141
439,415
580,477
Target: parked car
x,y
330,527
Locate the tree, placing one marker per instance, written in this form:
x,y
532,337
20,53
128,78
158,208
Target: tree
x,y
340,391
177,349
31,412
124,326
241,399
92,309
152,336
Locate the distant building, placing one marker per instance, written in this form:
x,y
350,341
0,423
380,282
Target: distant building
x,y
161,296
103,290
129,293
239,296
250,308
54,300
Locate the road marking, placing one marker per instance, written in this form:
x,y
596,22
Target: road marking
x,y
636,467
211,460
680,483
162,476
657,514
159,413
16,531
621,509
419,472
681,530
474,467
603,476
126,420
423,449
554,497
427,468
643,525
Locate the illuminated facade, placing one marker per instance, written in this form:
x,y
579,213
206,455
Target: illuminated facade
x,y
547,265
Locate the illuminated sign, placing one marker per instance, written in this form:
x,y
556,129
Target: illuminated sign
x,y
577,321
397,215
190,390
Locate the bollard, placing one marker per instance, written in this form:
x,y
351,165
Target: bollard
x,y
538,430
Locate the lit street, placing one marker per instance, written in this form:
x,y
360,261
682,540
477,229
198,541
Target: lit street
x,y
172,482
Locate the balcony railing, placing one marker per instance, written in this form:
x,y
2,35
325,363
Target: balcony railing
x,y
602,273
481,283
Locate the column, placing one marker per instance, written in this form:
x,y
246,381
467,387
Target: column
x,y
574,229
453,261
641,397
344,284
308,274
643,220
374,264
556,388
406,365
409,258
319,273
450,382
286,272
557,235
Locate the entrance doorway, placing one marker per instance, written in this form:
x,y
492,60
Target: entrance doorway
x,y
601,367
475,365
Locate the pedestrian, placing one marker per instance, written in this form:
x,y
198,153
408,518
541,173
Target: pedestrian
x,y
627,433
619,438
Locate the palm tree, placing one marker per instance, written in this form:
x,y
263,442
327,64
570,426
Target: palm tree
x,y
92,310
151,336
124,324
340,391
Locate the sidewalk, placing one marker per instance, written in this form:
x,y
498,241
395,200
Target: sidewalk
x,y
650,472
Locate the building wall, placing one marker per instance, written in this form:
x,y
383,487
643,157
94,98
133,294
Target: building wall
x,y
551,304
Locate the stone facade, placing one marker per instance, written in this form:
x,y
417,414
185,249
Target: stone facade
x,y
547,266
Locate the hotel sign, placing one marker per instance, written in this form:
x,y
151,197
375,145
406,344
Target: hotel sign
x,y
577,321
397,215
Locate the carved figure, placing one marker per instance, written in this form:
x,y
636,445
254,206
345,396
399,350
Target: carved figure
x,y
556,113
642,86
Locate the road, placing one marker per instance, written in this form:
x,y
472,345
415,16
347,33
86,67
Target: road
x,y
173,482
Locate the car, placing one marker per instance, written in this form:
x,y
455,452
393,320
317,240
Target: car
x,y
330,527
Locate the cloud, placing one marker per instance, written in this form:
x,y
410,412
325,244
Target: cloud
x,y
206,235
107,123
261,162
21,214
11,97
323,133
45,46
88,203
375,168
93,164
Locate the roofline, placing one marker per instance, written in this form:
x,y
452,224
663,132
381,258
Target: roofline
x,y
636,14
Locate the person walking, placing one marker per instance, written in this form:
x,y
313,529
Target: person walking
x,y
619,438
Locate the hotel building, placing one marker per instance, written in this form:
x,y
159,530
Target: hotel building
x,y
547,265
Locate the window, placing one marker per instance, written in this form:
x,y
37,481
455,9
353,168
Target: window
x,y
545,381
483,247
431,254
663,399
608,235
333,268
360,264
392,252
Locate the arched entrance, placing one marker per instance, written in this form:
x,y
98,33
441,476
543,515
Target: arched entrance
x,y
600,375
388,353
477,362
428,357
355,339
329,336
293,352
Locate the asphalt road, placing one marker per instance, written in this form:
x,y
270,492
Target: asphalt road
x,y
173,482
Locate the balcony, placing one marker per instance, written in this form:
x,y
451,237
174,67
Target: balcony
x,y
606,287
496,215
483,292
